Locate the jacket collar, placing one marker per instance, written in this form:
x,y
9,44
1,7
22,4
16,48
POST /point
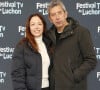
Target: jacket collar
x,y
45,40
67,32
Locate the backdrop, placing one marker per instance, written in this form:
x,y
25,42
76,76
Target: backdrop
x,y
13,15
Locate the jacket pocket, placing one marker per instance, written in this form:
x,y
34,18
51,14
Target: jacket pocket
x,y
71,70
31,82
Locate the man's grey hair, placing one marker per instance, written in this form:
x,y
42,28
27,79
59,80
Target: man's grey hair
x,y
54,3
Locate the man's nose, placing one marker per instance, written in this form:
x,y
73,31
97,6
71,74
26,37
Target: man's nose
x,y
57,16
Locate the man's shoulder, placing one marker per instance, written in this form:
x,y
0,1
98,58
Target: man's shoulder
x,y
81,29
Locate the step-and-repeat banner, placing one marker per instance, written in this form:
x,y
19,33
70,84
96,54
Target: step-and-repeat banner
x,y
13,15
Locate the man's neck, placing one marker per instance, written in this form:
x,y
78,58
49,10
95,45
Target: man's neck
x,y
60,29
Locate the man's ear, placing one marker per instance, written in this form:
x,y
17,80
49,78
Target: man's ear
x,y
66,14
49,18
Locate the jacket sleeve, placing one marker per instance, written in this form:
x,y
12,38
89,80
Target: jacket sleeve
x,y
88,55
18,69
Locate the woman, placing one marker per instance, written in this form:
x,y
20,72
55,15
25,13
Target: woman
x,y
31,60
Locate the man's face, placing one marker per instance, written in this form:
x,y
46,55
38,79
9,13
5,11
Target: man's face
x,y
58,16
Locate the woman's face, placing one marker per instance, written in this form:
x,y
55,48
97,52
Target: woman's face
x,y
36,26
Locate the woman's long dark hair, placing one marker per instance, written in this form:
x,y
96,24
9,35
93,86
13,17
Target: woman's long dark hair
x,y
29,36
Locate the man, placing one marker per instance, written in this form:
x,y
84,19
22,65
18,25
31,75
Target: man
x,y
73,52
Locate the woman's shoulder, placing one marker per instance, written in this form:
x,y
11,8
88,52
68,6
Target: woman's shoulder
x,y
22,42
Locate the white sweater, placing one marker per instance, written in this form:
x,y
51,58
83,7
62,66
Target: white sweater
x,y
45,61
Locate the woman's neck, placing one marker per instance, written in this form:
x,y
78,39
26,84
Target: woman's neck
x,y
38,39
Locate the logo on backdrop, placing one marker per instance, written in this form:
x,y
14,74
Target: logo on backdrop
x,y
98,30
97,52
6,53
2,76
21,30
2,29
97,34
14,7
98,76
88,8
42,8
